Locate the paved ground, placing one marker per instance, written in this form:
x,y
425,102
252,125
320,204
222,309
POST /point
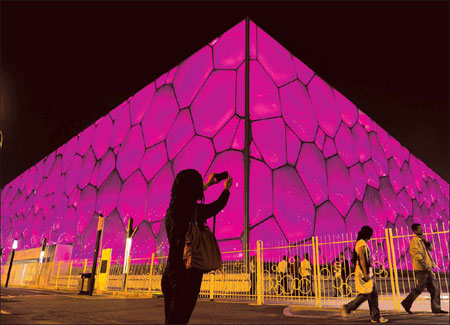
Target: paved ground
x,y
26,306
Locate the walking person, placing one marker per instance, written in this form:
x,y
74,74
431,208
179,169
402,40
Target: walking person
x,y
364,282
345,272
181,286
337,276
423,266
295,272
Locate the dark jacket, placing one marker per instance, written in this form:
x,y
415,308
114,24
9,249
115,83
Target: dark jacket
x,y
177,222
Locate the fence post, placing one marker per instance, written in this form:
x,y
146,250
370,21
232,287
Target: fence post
x,y
391,270
57,274
319,287
315,266
259,274
394,265
127,274
151,274
70,273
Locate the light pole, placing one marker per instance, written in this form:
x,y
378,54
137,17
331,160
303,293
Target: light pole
x,y
126,260
14,247
94,262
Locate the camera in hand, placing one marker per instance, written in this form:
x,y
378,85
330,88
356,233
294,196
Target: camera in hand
x,y
220,177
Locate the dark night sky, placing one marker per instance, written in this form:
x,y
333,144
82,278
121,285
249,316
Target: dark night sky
x,y
66,64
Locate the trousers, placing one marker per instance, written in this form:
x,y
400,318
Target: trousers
x,y
373,303
425,279
180,290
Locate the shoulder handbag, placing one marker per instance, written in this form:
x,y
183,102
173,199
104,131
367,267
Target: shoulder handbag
x,y
201,250
362,286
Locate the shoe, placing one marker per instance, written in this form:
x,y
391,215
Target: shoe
x,y
381,320
440,311
406,308
344,311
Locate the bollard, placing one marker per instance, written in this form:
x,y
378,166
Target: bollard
x,y
259,273
70,273
57,274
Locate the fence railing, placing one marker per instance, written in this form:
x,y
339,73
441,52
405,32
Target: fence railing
x,y
314,271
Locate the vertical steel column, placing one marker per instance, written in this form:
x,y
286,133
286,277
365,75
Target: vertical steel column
x,y
247,143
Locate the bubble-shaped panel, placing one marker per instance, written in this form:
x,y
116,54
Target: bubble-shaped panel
x,y
108,194
54,175
361,139
132,198
240,91
105,168
416,172
158,118
383,136
239,138
371,174
130,152
359,180
270,234
49,160
72,175
102,134
69,153
324,104
191,75
349,112
140,102
365,121
269,136
181,132
275,59
264,99
222,140
229,51
298,111
293,147
408,180
154,158
329,148
345,146
143,242
161,80
214,105
120,127
85,139
304,73
260,191
374,210
395,175
228,221
356,218
171,75
389,199
85,208
254,152
158,197
404,204
311,168
68,227
293,207
340,187
378,157
197,154
328,221
87,166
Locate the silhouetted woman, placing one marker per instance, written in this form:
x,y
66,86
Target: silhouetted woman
x,y
364,282
180,286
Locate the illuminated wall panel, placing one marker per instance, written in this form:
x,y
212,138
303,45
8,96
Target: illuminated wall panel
x,y
318,164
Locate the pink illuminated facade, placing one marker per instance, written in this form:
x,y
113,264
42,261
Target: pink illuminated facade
x,y
317,164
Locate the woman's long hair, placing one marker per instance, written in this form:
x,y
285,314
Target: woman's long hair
x,y
187,189
365,233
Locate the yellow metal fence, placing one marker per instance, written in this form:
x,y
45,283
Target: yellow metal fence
x,y
312,272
